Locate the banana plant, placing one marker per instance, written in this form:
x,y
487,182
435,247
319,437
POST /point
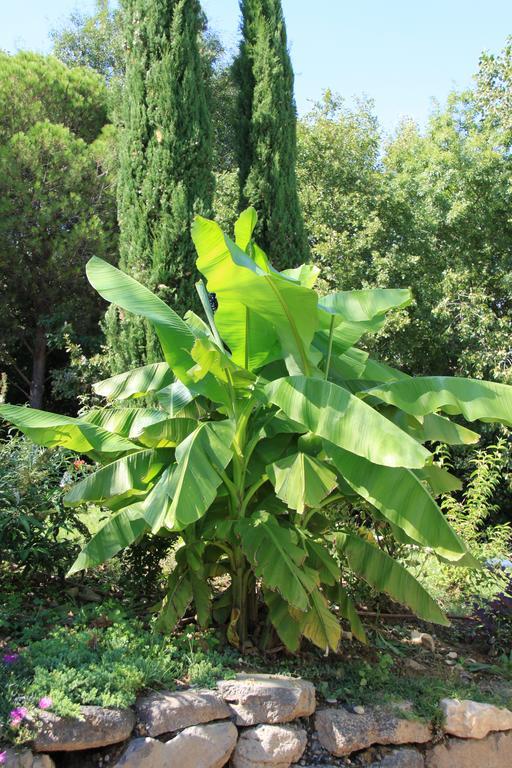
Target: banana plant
x,y
262,418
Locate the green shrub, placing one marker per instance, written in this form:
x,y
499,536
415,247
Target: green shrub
x,y
106,657
38,533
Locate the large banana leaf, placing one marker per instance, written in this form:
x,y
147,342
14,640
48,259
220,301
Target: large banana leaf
x,y
432,428
439,479
474,399
178,598
361,312
277,560
367,304
175,397
119,532
128,422
167,433
301,480
175,336
130,474
385,574
276,304
349,612
183,496
52,429
286,621
402,499
333,413
135,383
438,428
321,560
319,625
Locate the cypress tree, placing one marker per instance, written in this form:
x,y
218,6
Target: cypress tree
x,y
165,174
267,132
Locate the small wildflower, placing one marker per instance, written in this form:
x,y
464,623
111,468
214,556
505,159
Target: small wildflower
x,y
17,715
66,479
78,463
10,658
45,703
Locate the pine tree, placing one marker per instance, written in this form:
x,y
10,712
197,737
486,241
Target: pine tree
x,y
165,174
267,132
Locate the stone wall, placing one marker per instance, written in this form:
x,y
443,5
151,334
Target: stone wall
x,y
265,721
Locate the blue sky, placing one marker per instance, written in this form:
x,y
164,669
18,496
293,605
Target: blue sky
x,y
401,53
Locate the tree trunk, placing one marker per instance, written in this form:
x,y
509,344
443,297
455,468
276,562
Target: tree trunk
x,y
38,369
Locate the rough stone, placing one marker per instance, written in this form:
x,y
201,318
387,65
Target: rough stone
x,y
341,732
401,758
493,751
143,753
424,639
255,699
98,728
200,746
25,759
203,746
473,720
265,746
165,712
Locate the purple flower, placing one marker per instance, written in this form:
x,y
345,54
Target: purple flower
x,y
45,703
3,757
10,658
17,715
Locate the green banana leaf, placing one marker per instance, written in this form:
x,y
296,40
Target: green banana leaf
x,y
439,479
130,474
319,625
175,336
364,306
385,574
52,429
118,288
362,312
321,560
277,559
402,499
174,398
333,413
244,227
349,612
167,433
474,399
183,496
431,428
178,597
301,480
286,621
135,383
276,304
119,532
128,422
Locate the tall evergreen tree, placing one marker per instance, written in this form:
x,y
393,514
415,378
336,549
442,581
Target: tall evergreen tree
x,y
267,131
165,174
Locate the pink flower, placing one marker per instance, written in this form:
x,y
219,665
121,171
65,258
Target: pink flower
x,y
78,463
45,703
10,658
3,757
17,715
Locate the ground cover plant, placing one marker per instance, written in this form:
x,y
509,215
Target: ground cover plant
x,y
254,428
